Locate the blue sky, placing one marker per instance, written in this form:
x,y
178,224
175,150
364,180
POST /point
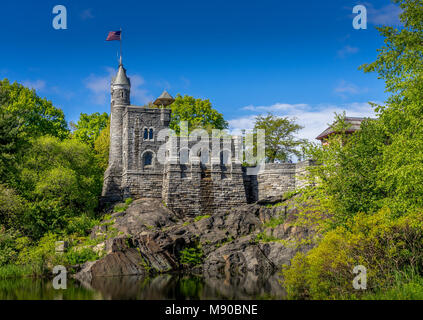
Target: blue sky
x,y
294,58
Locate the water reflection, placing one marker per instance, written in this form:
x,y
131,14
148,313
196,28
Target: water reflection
x,y
183,287
180,287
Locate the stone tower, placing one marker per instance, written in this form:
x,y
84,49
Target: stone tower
x,y
120,100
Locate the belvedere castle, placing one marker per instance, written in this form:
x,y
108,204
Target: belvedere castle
x,y
193,180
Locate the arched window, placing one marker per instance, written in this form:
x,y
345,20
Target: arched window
x,y
147,159
151,134
145,134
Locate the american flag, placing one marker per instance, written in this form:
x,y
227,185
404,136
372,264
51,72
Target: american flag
x,y
113,35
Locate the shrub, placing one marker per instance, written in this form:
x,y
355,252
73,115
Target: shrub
x,y
382,244
42,256
191,256
81,256
120,207
80,225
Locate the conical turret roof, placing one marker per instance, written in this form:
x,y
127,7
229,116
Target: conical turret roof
x,y
121,77
165,99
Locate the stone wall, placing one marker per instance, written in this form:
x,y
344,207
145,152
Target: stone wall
x,y
301,171
201,190
275,179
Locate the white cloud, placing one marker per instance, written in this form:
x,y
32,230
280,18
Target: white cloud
x,y
86,14
313,119
100,87
345,88
275,107
387,15
138,94
347,50
38,85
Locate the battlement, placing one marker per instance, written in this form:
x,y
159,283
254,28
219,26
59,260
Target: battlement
x,y
192,176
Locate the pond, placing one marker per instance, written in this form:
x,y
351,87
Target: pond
x,y
167,286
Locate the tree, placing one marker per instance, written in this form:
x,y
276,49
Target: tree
x,y
12,207
369,190
280,141
35,115
10,144
400,64
197,112
89,126
60,180
102,145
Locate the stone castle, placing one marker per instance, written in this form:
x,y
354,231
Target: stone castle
x,y
191,181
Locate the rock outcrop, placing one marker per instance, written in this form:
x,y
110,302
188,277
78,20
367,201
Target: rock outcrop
x,y
249,243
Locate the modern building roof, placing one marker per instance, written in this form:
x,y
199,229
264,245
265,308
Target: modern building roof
x,y
354,125
165,99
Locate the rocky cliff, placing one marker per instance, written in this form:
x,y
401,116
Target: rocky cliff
x,y
248,243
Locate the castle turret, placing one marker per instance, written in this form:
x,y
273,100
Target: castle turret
x,y
163,101
120,100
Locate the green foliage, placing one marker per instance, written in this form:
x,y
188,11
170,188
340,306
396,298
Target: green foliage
x,y
35,116
384,245
366,197
198,218
9,247
41,256
10,143
89,127
80,225
15,271
120,207
265,237
197,112
61,180
274,221
347,182
408,286
191,256
399,63
49,182
102,145
80,256
12,208
280,139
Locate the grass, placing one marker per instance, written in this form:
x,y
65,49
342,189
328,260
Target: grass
x,y
407,286
274,222
263,237
275,205
120,207
15,271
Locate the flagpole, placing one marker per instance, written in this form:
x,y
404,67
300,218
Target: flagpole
x,y
120,45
